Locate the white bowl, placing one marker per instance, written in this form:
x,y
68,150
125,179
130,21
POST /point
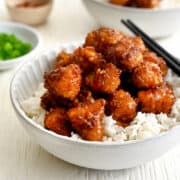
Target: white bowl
x,y
30,15
96,155
156,22
26,34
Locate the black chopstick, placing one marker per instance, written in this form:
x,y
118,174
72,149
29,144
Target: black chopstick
x,y
154,43
171,61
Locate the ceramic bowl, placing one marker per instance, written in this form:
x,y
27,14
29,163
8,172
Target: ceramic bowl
x,y
30,15
96,155
156,22
26,34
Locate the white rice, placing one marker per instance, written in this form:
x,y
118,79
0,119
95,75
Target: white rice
x,y
143,126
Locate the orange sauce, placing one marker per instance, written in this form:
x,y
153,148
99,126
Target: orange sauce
x,y
27,4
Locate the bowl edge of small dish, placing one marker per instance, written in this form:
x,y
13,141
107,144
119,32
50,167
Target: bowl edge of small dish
x,y
32,52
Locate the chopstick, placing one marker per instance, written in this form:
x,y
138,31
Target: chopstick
x,y
171,61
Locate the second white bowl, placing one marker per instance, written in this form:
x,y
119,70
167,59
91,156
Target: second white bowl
x,y
156,22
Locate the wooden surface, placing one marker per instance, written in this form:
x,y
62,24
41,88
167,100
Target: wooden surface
x,y
22,159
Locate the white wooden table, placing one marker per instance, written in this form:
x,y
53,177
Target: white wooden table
x,y
22,159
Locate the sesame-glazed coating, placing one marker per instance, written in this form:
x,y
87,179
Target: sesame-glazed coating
x,y
123,51
159,100
64,81
87,58
63,59
56,120
152,57
103,38
87,120
122,106
104,80
125,57
147,75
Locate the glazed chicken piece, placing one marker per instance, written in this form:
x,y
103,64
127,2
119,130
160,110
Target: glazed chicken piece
x,y
159,100
147,75
103,38
87,120
122,107
134,41
63,59
147,3
56,120
119,2
64,81
124,57
127,53
88,58
152,57
50,101
123,51
105,80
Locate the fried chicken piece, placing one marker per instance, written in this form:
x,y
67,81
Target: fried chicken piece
x,y
119,2
48,101
134,41
103,38
105,80
64,81
147,75
88,58
159,100
84,97
63,59
127,53
87,120
123,51
152,57
147,3
124,57
122,107
57,121
51,101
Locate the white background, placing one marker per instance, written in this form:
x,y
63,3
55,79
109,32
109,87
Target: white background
x,y
22,159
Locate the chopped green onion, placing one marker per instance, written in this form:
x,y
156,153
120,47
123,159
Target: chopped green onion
x,y
11,47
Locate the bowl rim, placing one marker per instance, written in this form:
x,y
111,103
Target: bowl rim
x,y
33,50
131,9
42,130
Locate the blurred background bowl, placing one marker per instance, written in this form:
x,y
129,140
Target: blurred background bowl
x,y
156,22
24,33
32,15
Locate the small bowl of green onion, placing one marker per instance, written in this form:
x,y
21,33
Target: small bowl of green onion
x,y
18,43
